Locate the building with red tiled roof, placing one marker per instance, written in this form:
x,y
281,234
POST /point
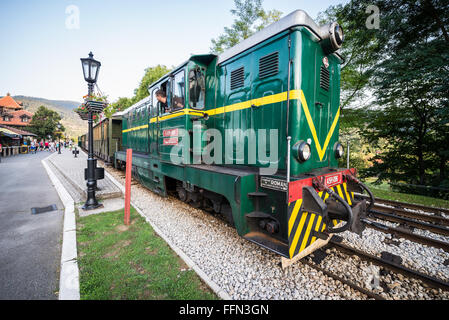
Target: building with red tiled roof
x,y
12,113
7,102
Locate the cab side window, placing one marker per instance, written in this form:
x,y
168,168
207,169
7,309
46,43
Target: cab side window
x,y
164,107
178,97
197,88
155,103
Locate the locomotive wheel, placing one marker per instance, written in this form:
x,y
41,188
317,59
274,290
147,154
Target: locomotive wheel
x,y
182,194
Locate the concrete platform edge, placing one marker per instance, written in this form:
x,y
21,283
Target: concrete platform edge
x,y
69,274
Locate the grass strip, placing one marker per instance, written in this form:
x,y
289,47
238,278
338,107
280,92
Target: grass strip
x,y
131,262
386,193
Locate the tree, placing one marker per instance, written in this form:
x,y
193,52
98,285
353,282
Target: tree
x,y
152,74
44,123
395,86
361,49
251,17
411,85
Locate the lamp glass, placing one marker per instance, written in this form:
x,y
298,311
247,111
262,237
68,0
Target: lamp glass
x,y
86,69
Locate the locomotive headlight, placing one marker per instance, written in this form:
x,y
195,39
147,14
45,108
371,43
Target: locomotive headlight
x,y
338,34
302,151
338,150
332,37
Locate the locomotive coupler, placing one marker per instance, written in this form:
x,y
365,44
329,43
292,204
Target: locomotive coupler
x,y
338,209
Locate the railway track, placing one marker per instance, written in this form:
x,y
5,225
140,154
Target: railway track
x,y
390,265
350,284
408,218
410,206
425,279
335,242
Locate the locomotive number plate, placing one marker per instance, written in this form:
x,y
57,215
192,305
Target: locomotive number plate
x,y
170,132
333,180
274,184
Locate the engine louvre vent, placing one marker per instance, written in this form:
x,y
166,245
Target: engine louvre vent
x,y
269,65
237,78
324,78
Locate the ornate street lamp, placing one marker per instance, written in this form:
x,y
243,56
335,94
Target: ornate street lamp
x,y
91,67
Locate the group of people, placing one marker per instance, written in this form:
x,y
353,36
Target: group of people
x,y
46,145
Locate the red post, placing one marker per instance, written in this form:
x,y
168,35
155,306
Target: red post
x,y
129,159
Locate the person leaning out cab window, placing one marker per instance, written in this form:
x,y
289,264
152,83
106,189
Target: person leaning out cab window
x,y
162,98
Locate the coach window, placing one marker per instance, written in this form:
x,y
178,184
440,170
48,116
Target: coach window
x,y
197,88
178,91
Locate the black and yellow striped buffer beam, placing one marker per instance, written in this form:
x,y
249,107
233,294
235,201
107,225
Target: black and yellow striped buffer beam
x,y
301,225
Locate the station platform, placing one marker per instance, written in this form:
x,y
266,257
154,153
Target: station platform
x,y
71,170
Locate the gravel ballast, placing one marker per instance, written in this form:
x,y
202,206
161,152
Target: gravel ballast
x,y
246,271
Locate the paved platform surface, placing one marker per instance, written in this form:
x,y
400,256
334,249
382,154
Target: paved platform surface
x,y
30,245
72,171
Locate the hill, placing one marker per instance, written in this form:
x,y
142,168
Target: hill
x,y
71,121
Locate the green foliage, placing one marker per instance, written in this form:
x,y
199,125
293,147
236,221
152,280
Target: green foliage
x,y
395,88
44,123
251,17
411,85
152,74
360,50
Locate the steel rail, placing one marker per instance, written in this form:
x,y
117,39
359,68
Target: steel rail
x,y
405,205
344,281
427,279
413,223
399,232
414,215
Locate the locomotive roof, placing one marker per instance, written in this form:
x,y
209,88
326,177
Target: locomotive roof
x,y
296,18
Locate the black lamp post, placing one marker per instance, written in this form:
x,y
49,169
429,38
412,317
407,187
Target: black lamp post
x,y
91,68
59,137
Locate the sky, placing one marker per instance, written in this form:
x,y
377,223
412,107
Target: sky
x,y
43,40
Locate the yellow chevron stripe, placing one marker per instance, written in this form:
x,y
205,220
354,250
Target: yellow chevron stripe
x,y
316,228
306,236
347,193
293,216
297,234
321,150
339,191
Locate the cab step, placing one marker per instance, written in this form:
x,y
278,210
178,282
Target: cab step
x,y
257,194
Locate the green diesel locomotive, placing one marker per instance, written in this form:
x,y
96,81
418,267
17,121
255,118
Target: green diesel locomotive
x,y
252,134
